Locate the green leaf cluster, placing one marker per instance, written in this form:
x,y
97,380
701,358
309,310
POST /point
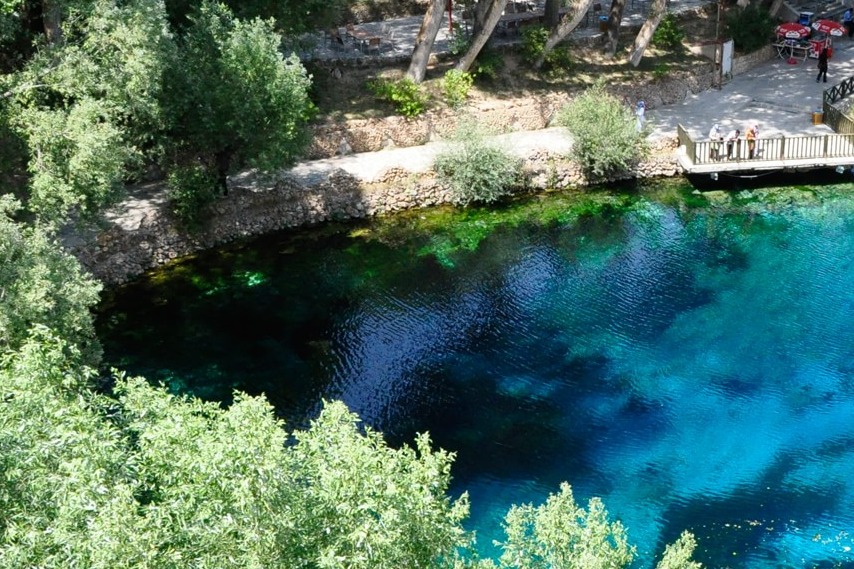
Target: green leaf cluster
x,y
477,169
456,85
605,137
750,27
122,91
557,62
147,479
42,286
405,95
668,34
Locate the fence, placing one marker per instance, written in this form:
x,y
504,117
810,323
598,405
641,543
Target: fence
x,y
815,147
833,117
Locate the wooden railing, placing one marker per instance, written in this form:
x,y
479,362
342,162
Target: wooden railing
x,y
838,121
815,147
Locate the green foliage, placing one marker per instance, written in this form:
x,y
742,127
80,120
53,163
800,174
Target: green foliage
x,y
191,189
668,34
459,41
660,71
604,132
677,555
455,86
477,169
533,42
86,108
152,480
41,285
560,533
405,95
233,100
750,27
557,62
487,65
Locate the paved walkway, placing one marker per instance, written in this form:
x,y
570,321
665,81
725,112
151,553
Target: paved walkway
x,y
779,96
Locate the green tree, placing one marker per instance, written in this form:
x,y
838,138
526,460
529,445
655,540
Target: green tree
x,y
41,285
605,136
560,534
88,108
678,554
234,101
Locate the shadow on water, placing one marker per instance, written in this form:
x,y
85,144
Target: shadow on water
x,y
690,365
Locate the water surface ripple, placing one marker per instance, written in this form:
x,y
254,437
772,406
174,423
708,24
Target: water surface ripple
x,y
693,369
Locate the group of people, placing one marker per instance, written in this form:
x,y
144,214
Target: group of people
x,y
731,143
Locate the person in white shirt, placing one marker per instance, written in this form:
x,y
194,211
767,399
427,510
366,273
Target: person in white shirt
x,y
716,135
731,140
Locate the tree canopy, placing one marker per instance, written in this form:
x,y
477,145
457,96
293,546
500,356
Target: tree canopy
x,y
121,89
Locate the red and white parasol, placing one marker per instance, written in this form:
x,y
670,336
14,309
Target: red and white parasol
x,y
792,31
829,27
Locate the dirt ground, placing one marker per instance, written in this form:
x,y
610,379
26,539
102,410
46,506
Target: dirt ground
x,y
345,95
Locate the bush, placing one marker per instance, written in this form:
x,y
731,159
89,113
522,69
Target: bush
x,y
557,62
191,189
455,86
605,136
533,42
750,27
668,34
487,65
476,169
660,71
459,41
404,94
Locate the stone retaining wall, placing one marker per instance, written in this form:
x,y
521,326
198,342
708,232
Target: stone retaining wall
x,y
145,234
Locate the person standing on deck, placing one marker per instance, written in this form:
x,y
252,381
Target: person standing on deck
x,y
731,140
751,135
716,136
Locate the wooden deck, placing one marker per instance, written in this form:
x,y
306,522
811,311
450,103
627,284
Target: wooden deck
x,y
781,153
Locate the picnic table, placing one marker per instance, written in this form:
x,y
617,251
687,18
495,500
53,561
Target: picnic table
x,y
788,49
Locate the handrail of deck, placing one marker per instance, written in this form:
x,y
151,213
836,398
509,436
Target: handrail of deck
x,y
816,147
838,121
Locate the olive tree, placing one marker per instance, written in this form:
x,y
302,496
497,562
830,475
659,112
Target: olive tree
x,y
234,100
605,136
88,108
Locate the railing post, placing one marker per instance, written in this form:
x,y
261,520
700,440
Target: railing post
x,y
783,147
826,144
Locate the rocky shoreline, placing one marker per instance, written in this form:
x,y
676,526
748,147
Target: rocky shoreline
x,y
141,233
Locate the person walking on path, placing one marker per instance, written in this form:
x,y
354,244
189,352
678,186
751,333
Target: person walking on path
x,y
848,21
822,65
640,112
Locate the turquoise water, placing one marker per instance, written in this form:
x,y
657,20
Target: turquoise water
x,y
693,367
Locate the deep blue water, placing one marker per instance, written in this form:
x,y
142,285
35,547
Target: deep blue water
x,y
693,367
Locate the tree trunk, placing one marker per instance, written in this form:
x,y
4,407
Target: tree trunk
x,y
481,8
656,12
424,41
479,40
615,17
551,15
52,20
575,13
